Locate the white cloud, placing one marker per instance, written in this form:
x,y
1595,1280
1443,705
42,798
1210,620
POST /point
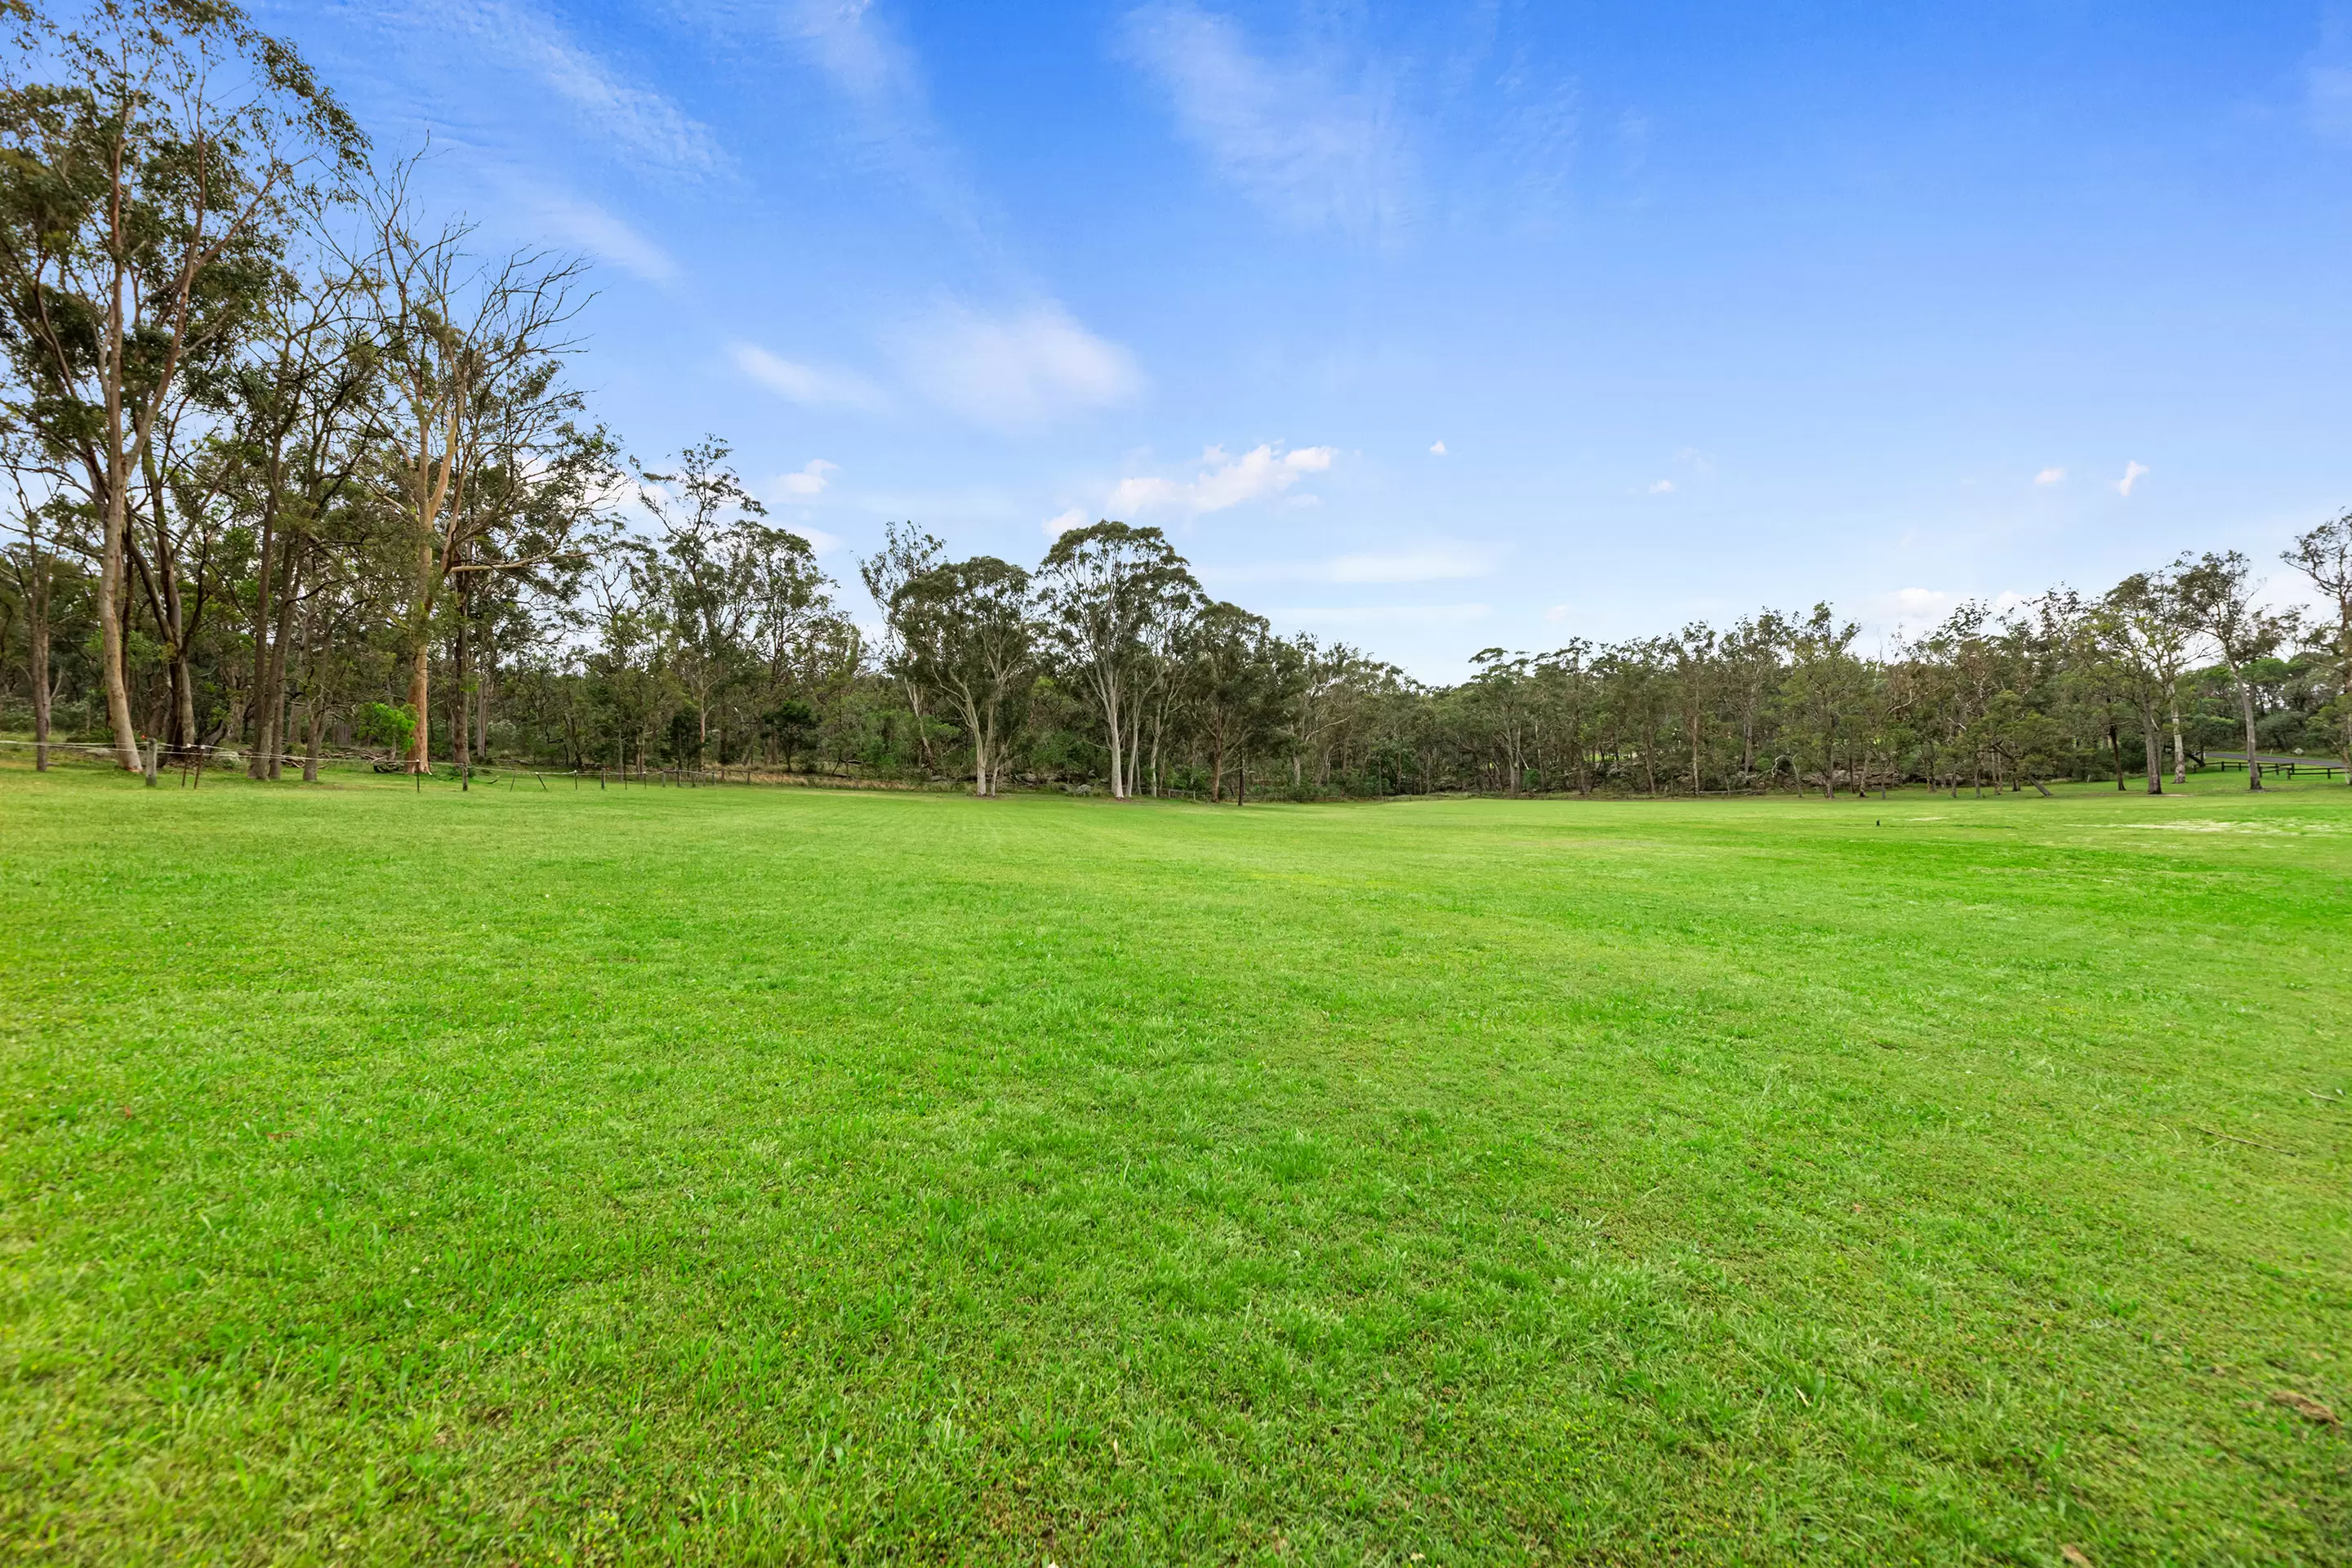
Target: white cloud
x,y
1019,370
1557,614
1347,615
638,122
1664,486
2050,476
1062,523
1222,482
1312,151
804,383
589,228
820,543
2133,474
1437,448
810,481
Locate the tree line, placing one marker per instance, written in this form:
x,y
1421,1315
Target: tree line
x,y
299,469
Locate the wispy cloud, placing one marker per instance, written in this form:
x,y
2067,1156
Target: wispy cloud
x,y
891,127
1017,371
637,122
805,384
1437,448
582,224
1062,522
2051,477
1315,146
1663,486
1222,482
2133,474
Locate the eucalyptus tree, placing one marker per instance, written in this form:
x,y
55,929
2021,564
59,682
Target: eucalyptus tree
x,y
33,574
1824,686
2141,625
1100,591
152,150
1506,694
1564,680
297,402
1334,683
724,572
483,460
1754,653
1237,689
2324,555
1697,667
963,634
907,553
2217,591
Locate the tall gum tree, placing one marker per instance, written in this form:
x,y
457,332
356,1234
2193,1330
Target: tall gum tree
x,y
484,464
2218,594
962,633
2141,623
1100,589
148,150
2325,556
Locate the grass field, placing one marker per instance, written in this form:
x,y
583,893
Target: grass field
x,y
771,1175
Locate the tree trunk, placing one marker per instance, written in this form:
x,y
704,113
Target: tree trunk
x,y
2116,744
37,632
1113,720
317,732
420,692
2246,707
2155,745
116,515
111,598
2180,752
180,663
979,732
261,709
459,730
290,594
314,708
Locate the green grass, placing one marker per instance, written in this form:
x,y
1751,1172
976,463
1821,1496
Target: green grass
x,y
796,1176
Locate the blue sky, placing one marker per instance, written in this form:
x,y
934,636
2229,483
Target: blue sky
x,y
1436,326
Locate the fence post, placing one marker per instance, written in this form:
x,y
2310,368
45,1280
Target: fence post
x,y
151,759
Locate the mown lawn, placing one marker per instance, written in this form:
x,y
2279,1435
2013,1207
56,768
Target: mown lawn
x,y
749,1174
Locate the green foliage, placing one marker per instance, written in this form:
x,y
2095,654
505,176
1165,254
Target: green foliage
x,y
384,725
683,741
